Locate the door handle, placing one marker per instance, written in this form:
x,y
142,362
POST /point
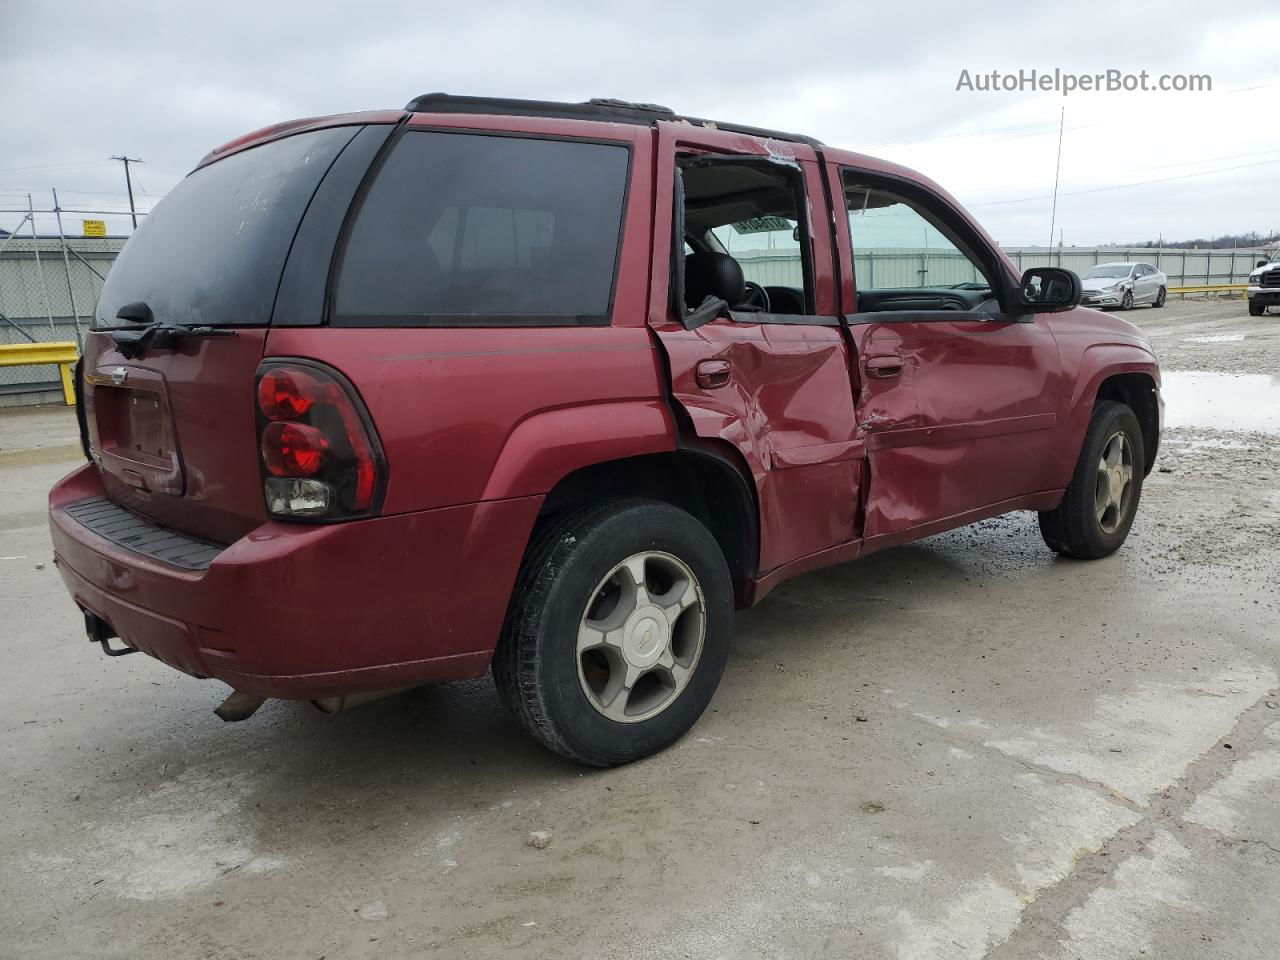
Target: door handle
x,y
884,367
713,373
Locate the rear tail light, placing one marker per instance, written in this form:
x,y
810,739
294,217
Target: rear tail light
x,y
293,449
320,455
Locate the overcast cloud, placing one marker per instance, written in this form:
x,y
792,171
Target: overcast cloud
x,y
80,81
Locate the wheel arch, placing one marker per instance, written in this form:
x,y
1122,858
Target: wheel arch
x,y
1129,375
549,445
1136,390
702,480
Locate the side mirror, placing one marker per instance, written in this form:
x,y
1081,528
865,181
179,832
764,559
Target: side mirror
x,y
1049,289
1261,263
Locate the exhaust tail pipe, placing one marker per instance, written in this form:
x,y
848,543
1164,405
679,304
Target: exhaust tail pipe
x,y
239,706
333,705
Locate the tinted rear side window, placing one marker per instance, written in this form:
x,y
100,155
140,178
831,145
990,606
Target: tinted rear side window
x,y
471,229
212,250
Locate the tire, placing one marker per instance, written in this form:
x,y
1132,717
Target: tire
x,y
1256,308
1126,302
1159,300
1074,528
554,689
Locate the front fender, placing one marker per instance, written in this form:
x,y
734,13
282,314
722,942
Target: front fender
x,y
1098,363
550,444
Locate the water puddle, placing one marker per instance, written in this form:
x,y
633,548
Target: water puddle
x,y
1222,401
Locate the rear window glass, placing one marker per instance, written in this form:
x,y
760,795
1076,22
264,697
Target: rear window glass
x,y
212,251
468,229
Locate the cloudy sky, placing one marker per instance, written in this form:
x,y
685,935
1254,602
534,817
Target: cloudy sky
x,y
166,81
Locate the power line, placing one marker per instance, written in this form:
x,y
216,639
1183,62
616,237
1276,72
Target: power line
x,y
1048,124
1124,186
53,166
960,136
1159,166
23,191
1187,163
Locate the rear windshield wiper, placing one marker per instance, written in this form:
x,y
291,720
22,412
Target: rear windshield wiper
x,y
134,342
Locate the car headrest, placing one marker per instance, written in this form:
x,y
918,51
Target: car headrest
x,y
714,274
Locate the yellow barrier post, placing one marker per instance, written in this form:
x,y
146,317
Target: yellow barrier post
x,y
60,354
1211,288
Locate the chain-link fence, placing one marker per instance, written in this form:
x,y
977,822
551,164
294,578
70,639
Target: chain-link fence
x,y
49,286
921,267
48,290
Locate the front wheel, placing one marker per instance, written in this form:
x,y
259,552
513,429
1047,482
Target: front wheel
x,y
1256,308
1101,501
618,632
1126,302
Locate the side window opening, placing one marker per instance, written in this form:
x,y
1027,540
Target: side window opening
x,y
745,238
462,229
906,258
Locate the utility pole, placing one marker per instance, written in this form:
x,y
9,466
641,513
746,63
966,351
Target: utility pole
x,y
1056,170
128,182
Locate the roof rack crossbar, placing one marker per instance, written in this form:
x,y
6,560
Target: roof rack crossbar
x,y
601,109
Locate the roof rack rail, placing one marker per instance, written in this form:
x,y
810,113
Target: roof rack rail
x,y
603,109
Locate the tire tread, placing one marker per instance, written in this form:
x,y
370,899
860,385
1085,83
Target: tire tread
x,y
515,661
1068,528
525,679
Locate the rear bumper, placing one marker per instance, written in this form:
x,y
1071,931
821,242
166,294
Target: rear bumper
x,y
302,611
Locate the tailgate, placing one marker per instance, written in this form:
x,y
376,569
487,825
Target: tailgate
x,y
172,424
173,433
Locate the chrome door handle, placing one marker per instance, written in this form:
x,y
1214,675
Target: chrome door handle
x,y
713,373
884,367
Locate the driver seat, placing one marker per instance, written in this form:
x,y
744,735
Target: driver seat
x,y
707,273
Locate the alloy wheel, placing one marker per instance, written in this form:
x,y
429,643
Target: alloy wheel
x,y
1114,486
640,636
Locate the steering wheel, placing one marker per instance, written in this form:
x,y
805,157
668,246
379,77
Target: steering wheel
x,y
756,296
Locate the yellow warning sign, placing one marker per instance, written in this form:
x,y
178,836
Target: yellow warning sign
x,y
95,228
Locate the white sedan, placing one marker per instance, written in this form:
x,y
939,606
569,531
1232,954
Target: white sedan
x,y
1123,285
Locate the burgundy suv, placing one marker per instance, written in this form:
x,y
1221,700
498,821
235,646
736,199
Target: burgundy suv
x,y
383,399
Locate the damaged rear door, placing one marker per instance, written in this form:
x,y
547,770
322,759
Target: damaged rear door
x,y
766,379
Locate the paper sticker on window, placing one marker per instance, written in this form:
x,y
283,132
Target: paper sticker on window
x,y
763,225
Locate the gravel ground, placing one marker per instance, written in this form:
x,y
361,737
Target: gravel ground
x,y
964,748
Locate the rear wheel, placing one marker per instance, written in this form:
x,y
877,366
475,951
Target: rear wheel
x,y
1159,301
618,633
1098,508
1256,308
